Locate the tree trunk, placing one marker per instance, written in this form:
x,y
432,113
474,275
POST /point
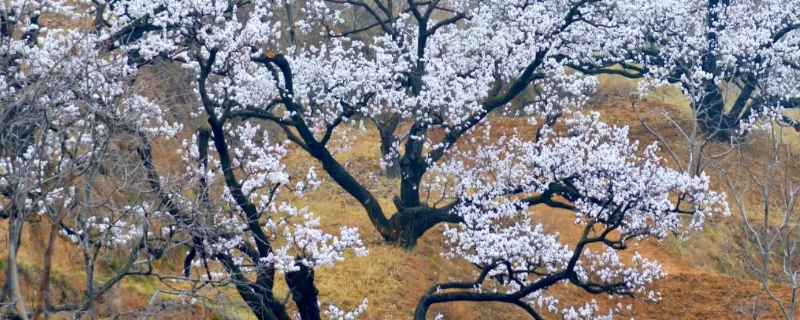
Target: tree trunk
x,y
710,113
304,293
714,122
413,217
43,299
414,168
14,293
390,158
411,232
716,125
260,300
390,143
264,310
409,224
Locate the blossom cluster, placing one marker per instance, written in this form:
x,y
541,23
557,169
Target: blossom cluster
x,y
618,194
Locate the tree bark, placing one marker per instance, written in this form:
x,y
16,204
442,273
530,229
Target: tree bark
x,y
391,158
304,293
43,299
710,112
389,153
262,303
409,224
14,293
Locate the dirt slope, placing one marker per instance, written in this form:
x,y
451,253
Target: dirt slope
x,y
393,279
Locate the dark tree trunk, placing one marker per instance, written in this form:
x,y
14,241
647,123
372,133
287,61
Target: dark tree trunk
x,y
44,292
304,293
711,116
409,224
410,232
389,153
258,295
269,310
260,301
710,113
391,159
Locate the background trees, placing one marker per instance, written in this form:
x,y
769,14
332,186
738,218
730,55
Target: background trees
x,y
730,58
67,104
77,147
768,247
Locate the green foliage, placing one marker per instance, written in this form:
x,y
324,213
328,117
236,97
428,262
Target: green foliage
x,y
676,245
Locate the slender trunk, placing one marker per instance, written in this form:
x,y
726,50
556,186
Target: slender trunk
x,y
89,264
793,305
290,22
14,293
264,306
258,295
43,299
86,247
12,278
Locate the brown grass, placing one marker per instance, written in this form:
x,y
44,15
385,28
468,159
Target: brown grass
x,y
393,278
704,282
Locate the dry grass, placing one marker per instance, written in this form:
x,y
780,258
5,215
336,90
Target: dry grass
x,y
704,274
393,278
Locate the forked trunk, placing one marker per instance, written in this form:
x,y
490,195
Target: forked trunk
x,y
409,224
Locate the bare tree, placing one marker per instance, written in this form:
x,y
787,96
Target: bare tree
x,y
765,169
66,104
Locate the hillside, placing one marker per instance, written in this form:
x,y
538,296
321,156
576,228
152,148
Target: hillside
x,y
205,159
706,279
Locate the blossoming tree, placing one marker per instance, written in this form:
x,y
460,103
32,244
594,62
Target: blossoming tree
x,y
443,74
618,197
66,102
730,58
438,67
77,150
